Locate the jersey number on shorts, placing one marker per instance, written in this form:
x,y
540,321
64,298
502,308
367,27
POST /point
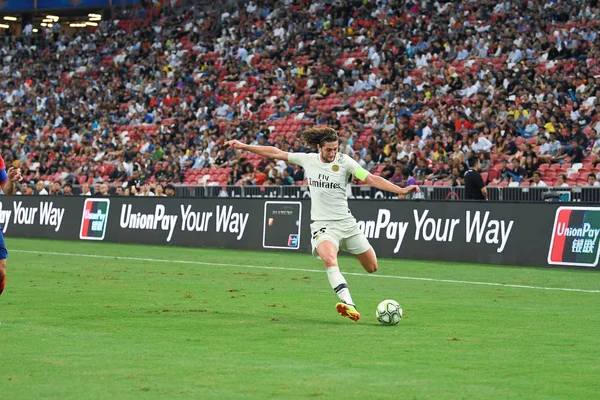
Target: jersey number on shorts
x,y
317,233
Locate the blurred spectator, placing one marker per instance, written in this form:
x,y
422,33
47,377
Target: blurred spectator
x,y
102,191
528,153
56,188
40,188
408,179
22,189
536,181
484,163
455,178
482,145
345,148
369,164
286,179
592,181
422,171
145,191
388,170
596,147
170,190
119,174
517,173
511,146
504,173
159,191
398,177
67,190
441,172
556,147
298,175
561,181
135,181
85,190
530,167
545,152
573,155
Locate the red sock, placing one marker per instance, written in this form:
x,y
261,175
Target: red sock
x,y
2,284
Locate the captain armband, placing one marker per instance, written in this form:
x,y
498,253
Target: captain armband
x,y
361,174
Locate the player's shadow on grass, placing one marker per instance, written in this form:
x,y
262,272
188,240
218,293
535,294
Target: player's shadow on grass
x,y
334,321
200,314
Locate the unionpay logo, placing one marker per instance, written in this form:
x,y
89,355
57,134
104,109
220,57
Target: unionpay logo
x,y
94,219
575,237
293,241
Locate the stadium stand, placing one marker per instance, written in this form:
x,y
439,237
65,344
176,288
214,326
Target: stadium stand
x,y
417,86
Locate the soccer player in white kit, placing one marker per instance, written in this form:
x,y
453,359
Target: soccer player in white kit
x,y
333,227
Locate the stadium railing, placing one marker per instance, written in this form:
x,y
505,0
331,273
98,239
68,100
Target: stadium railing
x,y
514,194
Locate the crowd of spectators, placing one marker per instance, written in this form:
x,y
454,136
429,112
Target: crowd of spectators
x,y
417,89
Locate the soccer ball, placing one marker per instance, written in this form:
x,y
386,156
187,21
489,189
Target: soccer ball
x,y
389,312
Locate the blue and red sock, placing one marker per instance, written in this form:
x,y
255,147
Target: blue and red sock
x,y
2,284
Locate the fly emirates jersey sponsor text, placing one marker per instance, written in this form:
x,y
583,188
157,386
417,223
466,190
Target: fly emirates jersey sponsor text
x,y
327,183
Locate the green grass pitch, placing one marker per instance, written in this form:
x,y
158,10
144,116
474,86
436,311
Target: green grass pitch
x,y
108,321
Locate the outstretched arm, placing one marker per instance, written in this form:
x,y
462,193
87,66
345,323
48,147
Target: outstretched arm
x,y
265,151
9,186
384,184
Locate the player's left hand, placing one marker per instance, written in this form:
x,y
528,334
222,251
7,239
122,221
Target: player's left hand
x,y
14,174
234,144
413,188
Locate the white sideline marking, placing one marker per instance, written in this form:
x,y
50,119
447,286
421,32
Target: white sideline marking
x,y
412,278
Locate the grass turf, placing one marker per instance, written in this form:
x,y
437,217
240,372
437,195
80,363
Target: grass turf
x,y
82,327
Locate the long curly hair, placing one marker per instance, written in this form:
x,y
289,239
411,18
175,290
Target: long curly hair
x,y
318,136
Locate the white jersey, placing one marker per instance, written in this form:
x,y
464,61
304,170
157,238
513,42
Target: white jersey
x,y
327,183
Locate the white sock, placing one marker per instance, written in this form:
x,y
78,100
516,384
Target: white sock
x,y
339,285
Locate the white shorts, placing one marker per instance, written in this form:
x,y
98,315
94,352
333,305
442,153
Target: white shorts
x,y
344,234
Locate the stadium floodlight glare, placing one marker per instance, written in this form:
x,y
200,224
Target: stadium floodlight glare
x,y
43,24
48,21
95,16
35,30
4,26
95,19
88,23
7,18
52,17
77,25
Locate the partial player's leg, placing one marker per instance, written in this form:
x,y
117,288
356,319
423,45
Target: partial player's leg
x,y
368,260
328,252
325,247
358,245
3,257
2,275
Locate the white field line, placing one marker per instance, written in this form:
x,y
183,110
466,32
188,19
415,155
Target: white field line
x,y
412,278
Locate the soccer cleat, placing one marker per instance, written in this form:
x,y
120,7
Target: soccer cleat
x,y
348,310
2,284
